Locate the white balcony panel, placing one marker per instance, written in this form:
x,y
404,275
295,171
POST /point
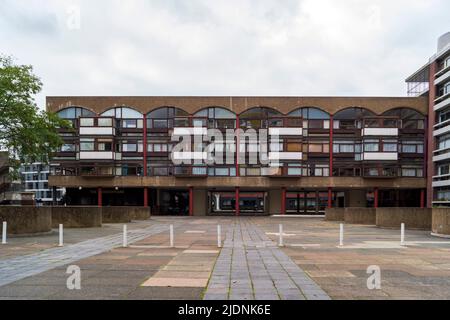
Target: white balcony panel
x,y
97,131
189,155
380,132
188,131
285,131
442,78
442,183
96,155
442,104
380,156
444,156
285,156
441,131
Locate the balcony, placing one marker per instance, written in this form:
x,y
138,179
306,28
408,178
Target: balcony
x,y
392,132
276,131
441,180
102,126
441,154
273,156
443,76
442,102
441,128
189,131
382,156
96,155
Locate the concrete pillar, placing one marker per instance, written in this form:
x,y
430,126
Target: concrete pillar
x,y
200,202
422,198
283,200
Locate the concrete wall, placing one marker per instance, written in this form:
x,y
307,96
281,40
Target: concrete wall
x,y
274,202
200,202
334,214
77,217
441,221
26,220
138,213
360,215
116,214
356,198
351,215
414,218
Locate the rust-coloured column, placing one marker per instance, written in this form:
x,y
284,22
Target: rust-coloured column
x,y
330,198
331,147
422,198
99,196
283,200
145,197
375,198
191,201
144,147
429,134
237,201
238,141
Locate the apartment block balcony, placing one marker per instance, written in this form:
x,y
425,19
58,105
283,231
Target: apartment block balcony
x,y
441,180
96,155
441,154
391,132
442,102
381,156
441,128
101,126
190,171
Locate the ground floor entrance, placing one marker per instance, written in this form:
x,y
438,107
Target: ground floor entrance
x,y
243,201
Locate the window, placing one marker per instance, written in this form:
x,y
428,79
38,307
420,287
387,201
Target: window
x,y
389,146
68,147
444,142
87,145
104,122
87,122
412,147
129,123
104,145
371,146
158,147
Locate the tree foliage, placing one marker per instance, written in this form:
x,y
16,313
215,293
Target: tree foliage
x,y
26,132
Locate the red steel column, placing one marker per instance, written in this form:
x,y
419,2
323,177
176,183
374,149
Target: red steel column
x,y
429,133
191,201
330,198
99,196
238,141
422,198
144,147
331,146
375,198
145,197
237,201
283,200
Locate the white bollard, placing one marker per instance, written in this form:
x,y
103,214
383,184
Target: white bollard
x,y
341,234
171,235
219,236
402,234
61,236
4,232
125,237
280,239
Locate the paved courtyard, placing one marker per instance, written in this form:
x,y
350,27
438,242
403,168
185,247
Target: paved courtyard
x,y
250,265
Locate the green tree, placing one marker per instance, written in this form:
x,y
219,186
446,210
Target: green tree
x,y
26,132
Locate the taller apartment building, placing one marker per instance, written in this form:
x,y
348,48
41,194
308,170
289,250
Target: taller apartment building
x,y
433,82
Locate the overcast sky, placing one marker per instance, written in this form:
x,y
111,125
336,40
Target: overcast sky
x,y
231,47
